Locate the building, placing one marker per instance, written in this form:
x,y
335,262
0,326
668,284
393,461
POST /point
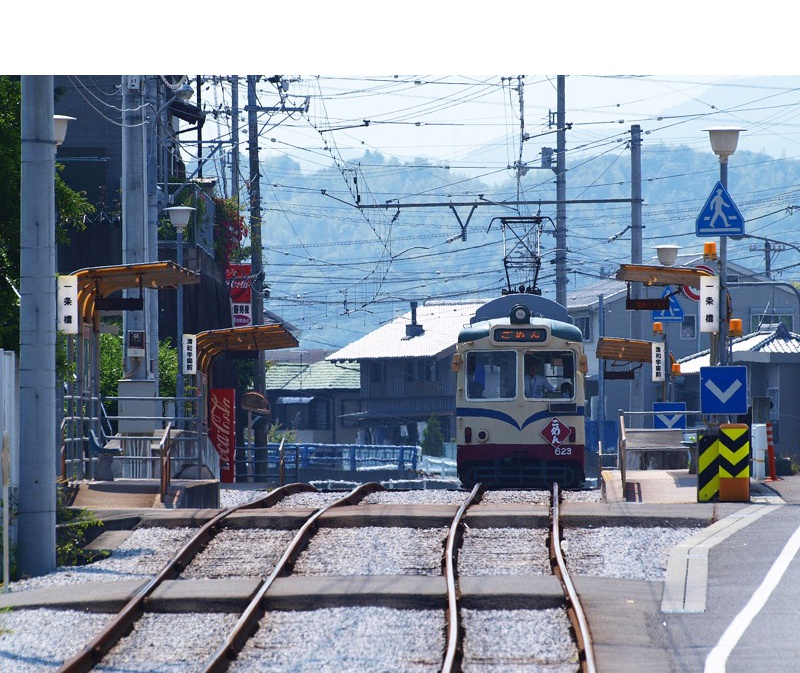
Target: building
x,y
315,399
406,372
772,358
759,302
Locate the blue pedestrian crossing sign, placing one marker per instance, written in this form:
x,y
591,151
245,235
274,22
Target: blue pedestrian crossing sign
x,y
672,314
720,216
669,415
723,390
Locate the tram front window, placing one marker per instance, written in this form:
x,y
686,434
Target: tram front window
x,y
491,375
549,375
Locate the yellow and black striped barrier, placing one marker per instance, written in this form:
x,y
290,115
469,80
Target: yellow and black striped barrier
x,y
723,464
707,468
734,462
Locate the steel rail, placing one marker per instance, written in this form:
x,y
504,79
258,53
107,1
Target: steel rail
x,y
122,624
453,654
574,608
247,623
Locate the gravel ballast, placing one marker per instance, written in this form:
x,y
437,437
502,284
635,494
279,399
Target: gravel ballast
x,y
339,639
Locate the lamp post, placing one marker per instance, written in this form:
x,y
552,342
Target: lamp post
x,y
723,142
38,430
179,218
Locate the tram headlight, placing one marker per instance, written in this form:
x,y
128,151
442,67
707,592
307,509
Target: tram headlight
x,y
483,436
520,314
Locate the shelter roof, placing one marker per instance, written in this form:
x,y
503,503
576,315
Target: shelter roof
x,y
101,281
212,343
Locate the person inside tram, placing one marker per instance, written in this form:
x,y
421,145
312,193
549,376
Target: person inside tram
x,y
536,383
566,390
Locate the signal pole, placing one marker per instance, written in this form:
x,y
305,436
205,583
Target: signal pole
x,y
561,195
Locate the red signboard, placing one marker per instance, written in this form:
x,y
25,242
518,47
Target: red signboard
x,y
222,430
239,281
556,432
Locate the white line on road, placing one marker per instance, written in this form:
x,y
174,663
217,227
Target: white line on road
x,y
715,663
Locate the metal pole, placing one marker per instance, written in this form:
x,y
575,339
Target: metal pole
x,y
179,383
561,195
636,402
36,551
723,277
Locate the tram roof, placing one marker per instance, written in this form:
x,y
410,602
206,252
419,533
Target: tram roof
x,y
559,329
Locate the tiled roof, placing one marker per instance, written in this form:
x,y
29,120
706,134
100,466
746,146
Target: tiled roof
x,y
322,375
779,340
441,322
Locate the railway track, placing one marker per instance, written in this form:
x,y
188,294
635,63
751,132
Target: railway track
x,y
247,624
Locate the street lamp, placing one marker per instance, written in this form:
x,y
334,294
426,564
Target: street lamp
x,y
723,142
179,218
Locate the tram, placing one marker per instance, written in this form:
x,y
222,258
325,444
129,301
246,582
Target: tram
x,y
520,371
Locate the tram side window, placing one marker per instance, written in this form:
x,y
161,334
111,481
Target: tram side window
x,y
491,375
550,375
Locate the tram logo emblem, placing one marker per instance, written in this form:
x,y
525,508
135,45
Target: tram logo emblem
x,y
555,432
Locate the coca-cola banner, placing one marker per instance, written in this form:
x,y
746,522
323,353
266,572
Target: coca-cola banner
x,y
239,281
222,430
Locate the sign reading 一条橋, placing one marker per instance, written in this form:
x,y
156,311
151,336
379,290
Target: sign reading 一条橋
x,y
719,216
709,304
190,354
240,282
68,304
658,361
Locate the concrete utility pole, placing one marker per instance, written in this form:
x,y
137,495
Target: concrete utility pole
x,y
134,210
36,549
637,319
257,301
561,195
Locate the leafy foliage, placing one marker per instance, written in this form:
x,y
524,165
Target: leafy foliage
x,y
229,232
71,209
72,525
433,438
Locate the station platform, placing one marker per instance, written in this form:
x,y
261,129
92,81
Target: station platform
x,y
680,487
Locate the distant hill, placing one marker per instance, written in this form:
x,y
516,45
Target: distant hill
x,y
337,272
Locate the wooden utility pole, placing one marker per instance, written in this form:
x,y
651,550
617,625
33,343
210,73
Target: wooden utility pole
x,y
257,300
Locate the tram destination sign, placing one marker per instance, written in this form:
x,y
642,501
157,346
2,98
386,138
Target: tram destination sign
x,y
652,304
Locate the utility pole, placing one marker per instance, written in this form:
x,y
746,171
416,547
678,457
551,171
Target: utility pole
x,y
134,212
257,301
637,386
36,550
235,139
561,195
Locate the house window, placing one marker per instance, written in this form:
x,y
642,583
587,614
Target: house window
x,y
584,324
689,327
770,320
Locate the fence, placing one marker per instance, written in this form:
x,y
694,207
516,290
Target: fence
x,y
264,464
137,439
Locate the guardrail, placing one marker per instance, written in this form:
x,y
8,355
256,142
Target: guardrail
x,y
653,440
165,451
275,461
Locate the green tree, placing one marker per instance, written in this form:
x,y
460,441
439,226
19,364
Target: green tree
x,y
432,438
71,207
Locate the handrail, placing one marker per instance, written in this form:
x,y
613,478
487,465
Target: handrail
x,y
164,449
281,463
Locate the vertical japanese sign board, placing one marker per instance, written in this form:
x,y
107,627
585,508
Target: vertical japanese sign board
x,y
709,304
67,304
658,361
222,430
239,281
189,354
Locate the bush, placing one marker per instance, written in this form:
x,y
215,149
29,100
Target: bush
x,y
433,438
